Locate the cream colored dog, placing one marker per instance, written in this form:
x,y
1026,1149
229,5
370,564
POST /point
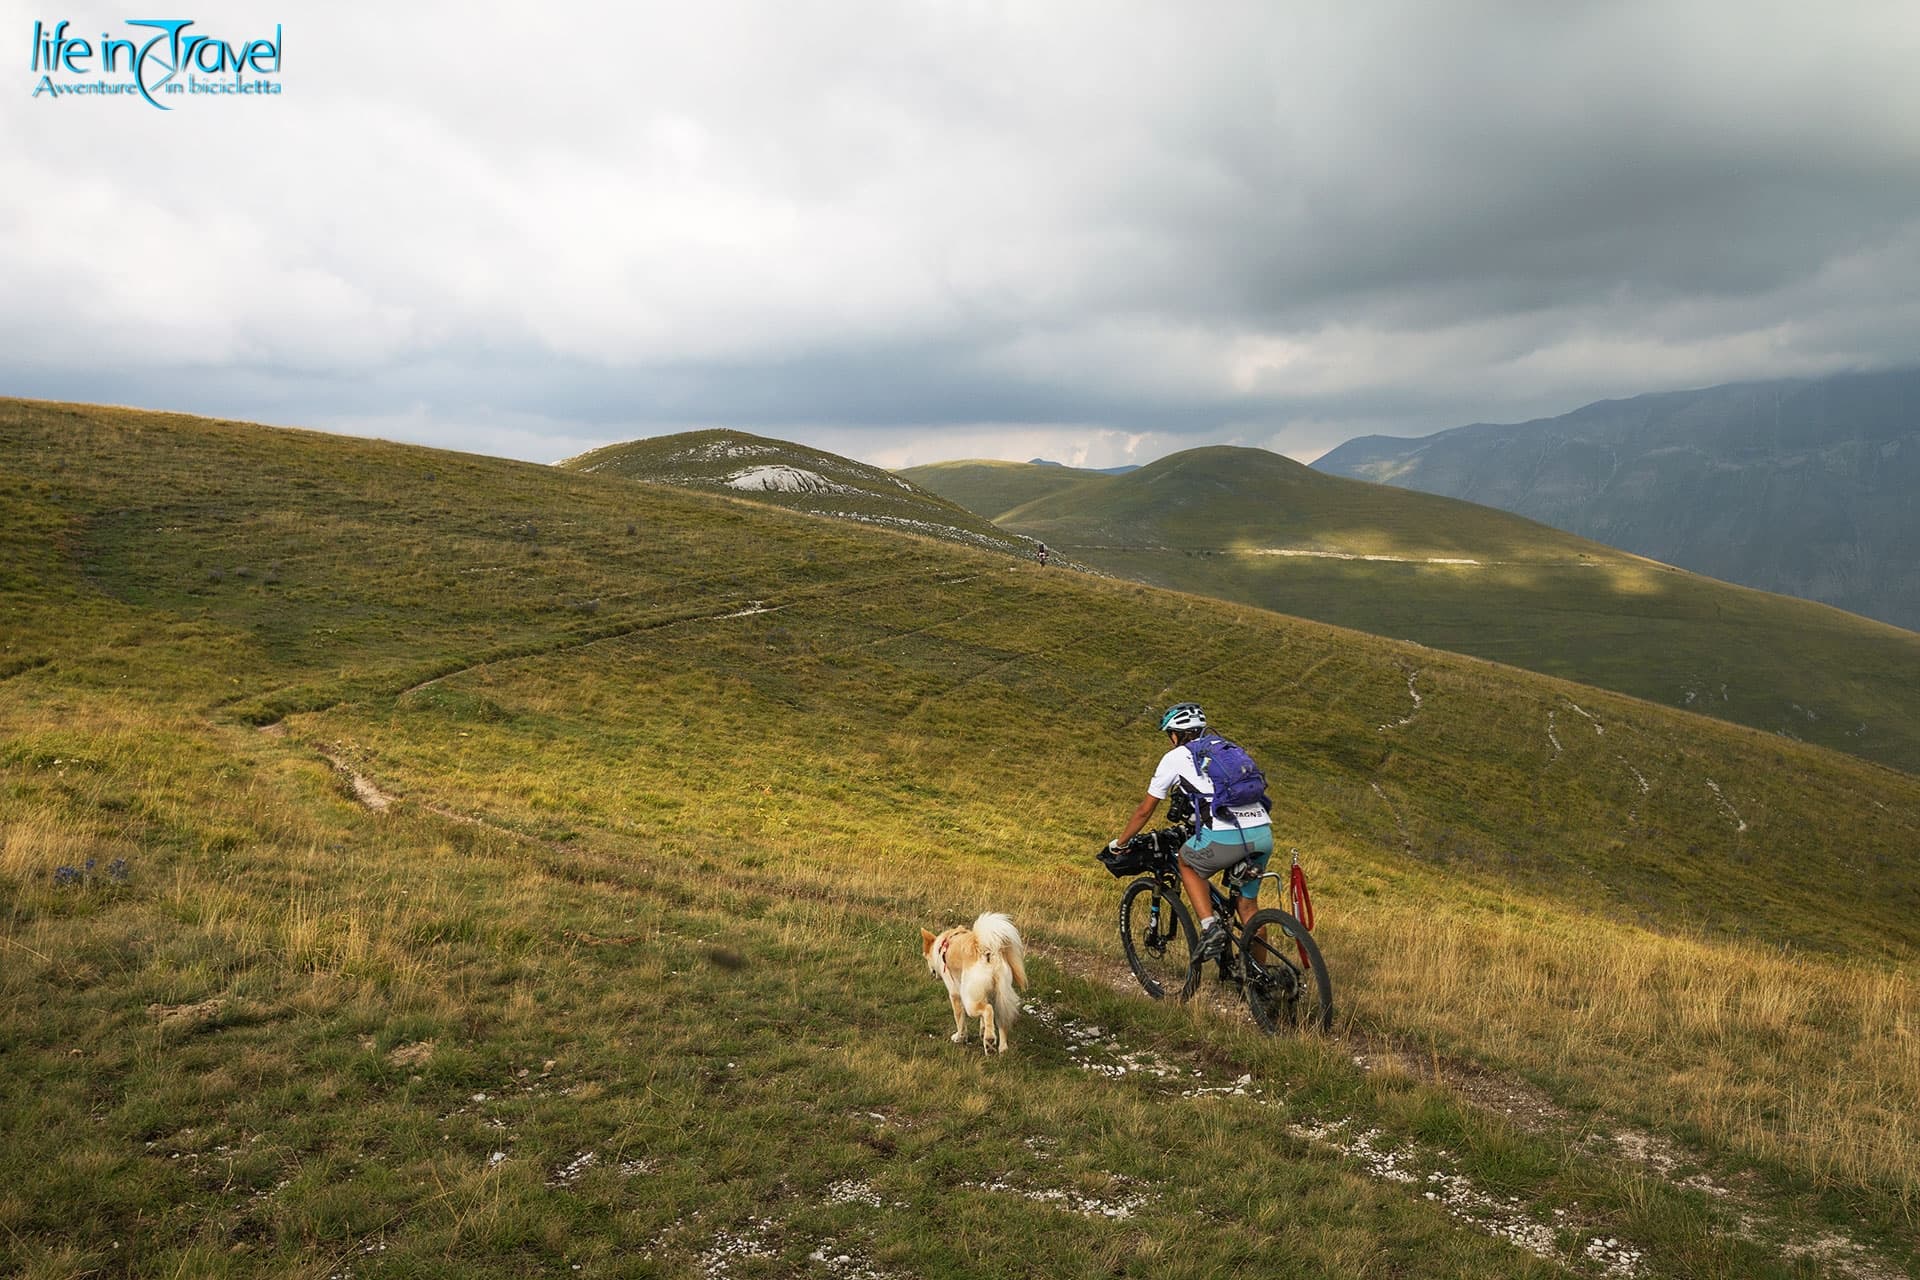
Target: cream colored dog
x,y
982,967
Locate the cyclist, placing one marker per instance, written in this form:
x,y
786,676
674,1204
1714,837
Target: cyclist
x,y
1220,839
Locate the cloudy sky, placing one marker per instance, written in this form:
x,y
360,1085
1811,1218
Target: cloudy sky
x,y
913,231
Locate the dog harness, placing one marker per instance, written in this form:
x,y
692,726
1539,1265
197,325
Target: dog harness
x,y
945,938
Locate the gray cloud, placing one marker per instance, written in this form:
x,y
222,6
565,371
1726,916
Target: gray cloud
x,y
914,231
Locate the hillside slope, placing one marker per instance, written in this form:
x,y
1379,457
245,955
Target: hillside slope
x,y
1806,487
1252,526
420,864
797,477
993,488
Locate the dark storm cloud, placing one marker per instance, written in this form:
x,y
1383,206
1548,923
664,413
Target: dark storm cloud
x,y
918,228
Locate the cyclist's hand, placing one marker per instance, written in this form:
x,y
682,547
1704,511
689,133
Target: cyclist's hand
x,y
1114,846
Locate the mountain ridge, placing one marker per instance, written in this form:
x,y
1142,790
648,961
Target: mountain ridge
x,y
1800,486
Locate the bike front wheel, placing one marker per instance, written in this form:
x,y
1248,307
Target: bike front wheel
x,y
1157,934
1283,992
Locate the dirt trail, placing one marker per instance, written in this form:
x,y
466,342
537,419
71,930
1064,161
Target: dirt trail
x,y
365,793
1726,807
1406,837
1430,1171
1558,1236
1413,693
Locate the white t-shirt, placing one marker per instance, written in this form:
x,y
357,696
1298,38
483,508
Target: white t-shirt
x,y
1177,765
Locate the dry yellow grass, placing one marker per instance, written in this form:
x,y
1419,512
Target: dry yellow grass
x,y
32,845
1808,1061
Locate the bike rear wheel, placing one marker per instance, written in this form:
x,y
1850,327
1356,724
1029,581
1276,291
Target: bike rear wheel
x,y
1282,993
1157,934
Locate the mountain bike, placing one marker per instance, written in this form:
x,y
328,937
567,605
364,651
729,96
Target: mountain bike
x,y
1158,935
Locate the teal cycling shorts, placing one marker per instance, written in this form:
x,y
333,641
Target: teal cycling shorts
x,y
1210,851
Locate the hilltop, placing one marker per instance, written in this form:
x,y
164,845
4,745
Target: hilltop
x,y
419,863
1802,486
1254,527
994,488
797,477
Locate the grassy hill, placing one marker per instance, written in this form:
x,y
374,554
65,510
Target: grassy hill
x,y
1254,527
994,488
796,477
481,869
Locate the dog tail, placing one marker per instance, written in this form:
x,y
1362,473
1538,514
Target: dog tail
x,y
1002,941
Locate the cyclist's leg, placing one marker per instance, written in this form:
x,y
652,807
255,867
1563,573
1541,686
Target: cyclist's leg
x,y
1196,883
1259,847
1199,859
1211,852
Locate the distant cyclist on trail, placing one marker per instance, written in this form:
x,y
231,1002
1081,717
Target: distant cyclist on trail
x,y
1204,764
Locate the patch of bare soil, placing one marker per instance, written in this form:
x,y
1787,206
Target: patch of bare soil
x,y
186,1019
369,797
1836,1255
368,794
411,1055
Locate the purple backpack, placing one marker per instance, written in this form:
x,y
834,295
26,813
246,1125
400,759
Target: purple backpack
x,y
1237,780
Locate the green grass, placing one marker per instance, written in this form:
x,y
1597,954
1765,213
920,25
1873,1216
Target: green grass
x,y
654,875
1215,522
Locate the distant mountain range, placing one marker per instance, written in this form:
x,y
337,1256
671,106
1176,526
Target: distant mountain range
x,y
1808,487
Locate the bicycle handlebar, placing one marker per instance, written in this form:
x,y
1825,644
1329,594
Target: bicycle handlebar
x,y
1161,840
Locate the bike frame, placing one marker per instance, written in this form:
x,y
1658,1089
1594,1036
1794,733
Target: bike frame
x,y
1167,877
1270,980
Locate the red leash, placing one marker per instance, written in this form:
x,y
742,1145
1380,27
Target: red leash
x,y
1302,903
